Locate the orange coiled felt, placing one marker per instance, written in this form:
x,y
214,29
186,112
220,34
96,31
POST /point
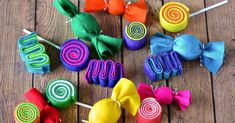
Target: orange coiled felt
x,y
132,11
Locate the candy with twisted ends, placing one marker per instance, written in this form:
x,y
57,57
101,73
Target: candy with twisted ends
x,y
27,113
149,111
74,54
165,95
34,54
105,73
61,93
135,35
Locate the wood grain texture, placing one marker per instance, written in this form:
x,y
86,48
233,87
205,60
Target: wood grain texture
x,y
51,25
15,80
221,27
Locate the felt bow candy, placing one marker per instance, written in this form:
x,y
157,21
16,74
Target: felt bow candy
x,y
190,48
165,95
109,110
85,27
48,113
136,11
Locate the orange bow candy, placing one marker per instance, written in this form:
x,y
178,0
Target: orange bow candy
x,y
132,11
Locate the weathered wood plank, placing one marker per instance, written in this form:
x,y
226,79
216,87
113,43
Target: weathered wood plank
x,y
51,25
15,80
221,27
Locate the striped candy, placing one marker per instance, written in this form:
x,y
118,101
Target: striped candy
x,y
74,54
149,111
135,35
34,54
61,93
27,113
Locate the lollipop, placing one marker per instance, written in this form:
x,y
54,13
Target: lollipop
x,y
74,53
85,27
105,73
34,54
135,35
190,48
27,113
149,111
133,11
174,16
163,66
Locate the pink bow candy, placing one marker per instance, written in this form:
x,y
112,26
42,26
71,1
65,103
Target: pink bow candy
x,y
165,95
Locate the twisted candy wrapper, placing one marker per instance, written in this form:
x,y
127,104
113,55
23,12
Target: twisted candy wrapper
x,y
136,11
165,95
109,110
163,66
105,73
85,27
34,54
48,113
190,48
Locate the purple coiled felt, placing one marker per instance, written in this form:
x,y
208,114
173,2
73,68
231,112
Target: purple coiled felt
x,y
105,73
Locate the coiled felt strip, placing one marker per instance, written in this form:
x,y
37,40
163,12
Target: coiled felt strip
x,y
61,93
149,111
163,66
174,16
74,54
105,73
135,35
27,113
34,54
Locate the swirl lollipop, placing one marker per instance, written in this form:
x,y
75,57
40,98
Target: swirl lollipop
x,y
74,53
135,35
174,16
27,113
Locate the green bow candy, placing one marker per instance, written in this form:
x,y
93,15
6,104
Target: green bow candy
x,y
85,27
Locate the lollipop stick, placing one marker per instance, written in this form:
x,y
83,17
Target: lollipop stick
x,y
208,8
42,39
83,105
84,121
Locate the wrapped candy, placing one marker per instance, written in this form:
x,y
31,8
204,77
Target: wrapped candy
x,y
85,27
165,95
105,73
162,66
133,11
190,48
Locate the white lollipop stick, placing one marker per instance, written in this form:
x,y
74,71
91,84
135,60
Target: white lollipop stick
x,y
209,8
42,39
83,105
84,121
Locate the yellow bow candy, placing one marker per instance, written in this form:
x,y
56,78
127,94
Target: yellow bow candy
x,y
109,110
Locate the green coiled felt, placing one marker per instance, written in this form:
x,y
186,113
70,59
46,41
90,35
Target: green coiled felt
x,y
61,93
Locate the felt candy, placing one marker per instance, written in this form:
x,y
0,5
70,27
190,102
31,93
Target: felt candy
x,y
149,111
27,113
34,54
105,73
163,66
165,95
48,113
174,16
135,35
133,11
85,27
190,48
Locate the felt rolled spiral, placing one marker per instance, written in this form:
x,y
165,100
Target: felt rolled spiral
x,y
74,54
34,54
61,93
174,16
149,111
105,73
135,35
27,113
163,66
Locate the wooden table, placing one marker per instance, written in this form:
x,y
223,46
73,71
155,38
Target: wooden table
x,y
213,95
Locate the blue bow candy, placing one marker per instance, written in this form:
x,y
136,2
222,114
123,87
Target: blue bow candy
x,y
190,48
